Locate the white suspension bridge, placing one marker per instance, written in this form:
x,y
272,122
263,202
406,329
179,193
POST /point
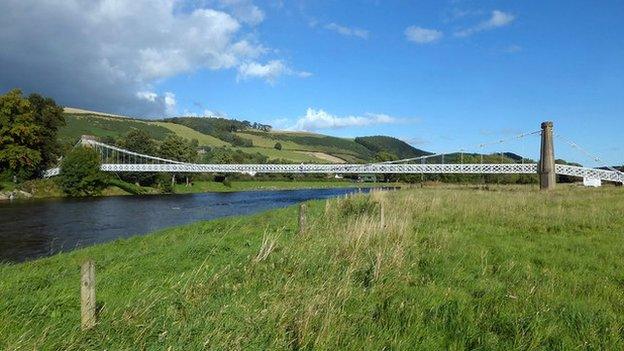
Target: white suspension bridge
x,y
115,159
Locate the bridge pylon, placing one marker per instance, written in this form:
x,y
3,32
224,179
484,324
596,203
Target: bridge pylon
x,y
546,166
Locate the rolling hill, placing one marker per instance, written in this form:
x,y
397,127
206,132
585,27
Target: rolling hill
x,y
250,138
382,143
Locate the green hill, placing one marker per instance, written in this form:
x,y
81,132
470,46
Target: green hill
x,y
346,149
394,146
78,124
252,138
209,132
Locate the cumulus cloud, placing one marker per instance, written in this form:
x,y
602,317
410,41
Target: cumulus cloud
x,y
512,49
320,119
347,31
107,55
166,101
244,10
497,19
170,103
269,71
422,35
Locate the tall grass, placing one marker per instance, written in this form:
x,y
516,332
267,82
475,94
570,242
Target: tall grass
x,y
505,268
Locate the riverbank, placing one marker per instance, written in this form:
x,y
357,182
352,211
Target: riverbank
x,y
450,269
47,188
250,185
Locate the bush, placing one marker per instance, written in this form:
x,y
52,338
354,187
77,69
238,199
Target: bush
x,y
80,173
357,206
127,187
164,183
227,182
278,146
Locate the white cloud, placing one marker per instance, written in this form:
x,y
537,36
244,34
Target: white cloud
x,y
348,31
167,100
497,19
108,54
244,10
170,103
269,71
319,119
422,35
147,95
512,49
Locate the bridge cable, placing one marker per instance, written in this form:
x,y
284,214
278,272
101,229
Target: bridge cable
x,y
587,153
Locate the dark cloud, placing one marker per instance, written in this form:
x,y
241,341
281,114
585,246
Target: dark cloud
x,y
105,55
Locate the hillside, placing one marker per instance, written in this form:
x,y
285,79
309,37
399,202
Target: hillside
x,y
217,132
253,138
394,146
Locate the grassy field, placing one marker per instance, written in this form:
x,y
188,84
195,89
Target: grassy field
x,y
205,186
265,140
188,133
451,269
77,125
290,155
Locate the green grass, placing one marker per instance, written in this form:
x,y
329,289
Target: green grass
x,y
507,269
7,186
205,186
321,143
273,154
100,126
265,140
188,133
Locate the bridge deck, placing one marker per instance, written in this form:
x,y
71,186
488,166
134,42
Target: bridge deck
x,y
503,168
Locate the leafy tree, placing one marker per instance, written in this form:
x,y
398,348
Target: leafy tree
x,y
28,128
278,146
383,156
19,135
178,149
49,116
80,173
139,141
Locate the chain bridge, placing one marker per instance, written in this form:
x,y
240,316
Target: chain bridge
x,y
116,159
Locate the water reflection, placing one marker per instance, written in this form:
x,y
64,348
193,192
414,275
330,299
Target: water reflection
x,y
31,229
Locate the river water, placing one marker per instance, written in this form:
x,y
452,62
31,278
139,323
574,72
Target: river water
x,y
38,228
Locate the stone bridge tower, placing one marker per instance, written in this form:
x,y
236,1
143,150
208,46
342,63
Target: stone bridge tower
x,y
546,165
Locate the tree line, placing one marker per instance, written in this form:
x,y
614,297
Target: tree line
x,y
28,134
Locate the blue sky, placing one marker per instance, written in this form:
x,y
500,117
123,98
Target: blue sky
x,y
442,75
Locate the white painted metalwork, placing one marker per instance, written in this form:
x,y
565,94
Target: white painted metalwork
x,y
504,168
583,172
128,161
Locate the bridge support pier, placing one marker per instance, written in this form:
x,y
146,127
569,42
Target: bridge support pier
x,y
546,166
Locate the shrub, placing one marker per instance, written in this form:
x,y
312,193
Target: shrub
x,y
278,146
164,183
127,187
80,173
227,182
357,206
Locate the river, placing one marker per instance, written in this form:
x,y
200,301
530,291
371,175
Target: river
x,y
38,228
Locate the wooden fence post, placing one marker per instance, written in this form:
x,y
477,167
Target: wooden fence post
x,y
87,294
382,215
302,218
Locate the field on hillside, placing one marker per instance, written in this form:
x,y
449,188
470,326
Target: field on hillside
x,y
102,126
188,133
117,127
346,149
504,268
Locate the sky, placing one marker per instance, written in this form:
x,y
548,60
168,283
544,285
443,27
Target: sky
x,y
442,75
